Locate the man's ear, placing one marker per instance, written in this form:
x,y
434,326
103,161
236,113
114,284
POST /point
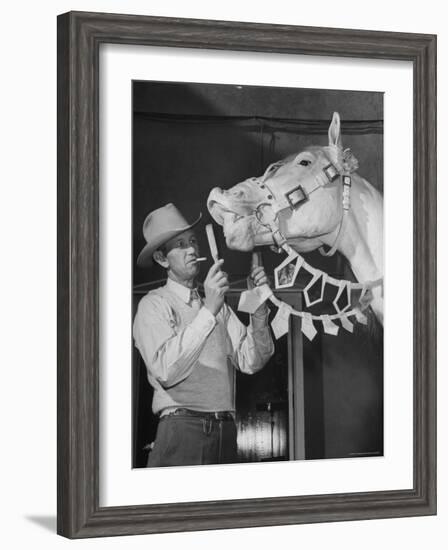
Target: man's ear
x,y
159,257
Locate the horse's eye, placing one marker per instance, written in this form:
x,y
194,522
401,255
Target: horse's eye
x,y
304,162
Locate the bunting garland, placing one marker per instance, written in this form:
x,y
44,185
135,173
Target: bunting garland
x,y
315,273
308,320
286,274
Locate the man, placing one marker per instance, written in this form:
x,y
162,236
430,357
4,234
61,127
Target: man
x,y
191,347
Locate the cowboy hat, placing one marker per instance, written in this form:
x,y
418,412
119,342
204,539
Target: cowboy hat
x,y
159,227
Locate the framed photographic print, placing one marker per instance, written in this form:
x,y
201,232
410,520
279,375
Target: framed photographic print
x,y
246,274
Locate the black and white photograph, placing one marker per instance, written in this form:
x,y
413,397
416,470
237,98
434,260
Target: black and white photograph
x,y
257,326
222,243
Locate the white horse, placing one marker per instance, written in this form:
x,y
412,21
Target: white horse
x,y
310,200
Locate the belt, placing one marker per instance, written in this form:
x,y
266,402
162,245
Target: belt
x,y
218,415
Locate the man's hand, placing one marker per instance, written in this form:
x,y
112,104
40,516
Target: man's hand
x,y
257,277
216,285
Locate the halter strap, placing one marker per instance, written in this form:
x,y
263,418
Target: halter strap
x,y
296,195
346,187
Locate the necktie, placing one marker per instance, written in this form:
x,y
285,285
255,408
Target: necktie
x,y
195,300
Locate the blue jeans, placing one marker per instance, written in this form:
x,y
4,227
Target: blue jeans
x,y
183,440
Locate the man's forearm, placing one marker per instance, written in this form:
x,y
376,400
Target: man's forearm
x,y
258,345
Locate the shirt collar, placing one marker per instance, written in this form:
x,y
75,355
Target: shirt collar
x,y
183,292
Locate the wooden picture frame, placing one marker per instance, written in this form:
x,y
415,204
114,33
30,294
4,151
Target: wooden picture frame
x,y
79,38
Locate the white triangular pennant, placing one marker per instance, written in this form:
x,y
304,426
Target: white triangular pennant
x,y
280,323
329,326
251,300
308,327
346,323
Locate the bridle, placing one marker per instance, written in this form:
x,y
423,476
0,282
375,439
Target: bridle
x,y
272,204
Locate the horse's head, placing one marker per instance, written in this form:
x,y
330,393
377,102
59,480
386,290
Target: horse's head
x,y
235,210
302,194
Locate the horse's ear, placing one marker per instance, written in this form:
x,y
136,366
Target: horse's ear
x,y
334,131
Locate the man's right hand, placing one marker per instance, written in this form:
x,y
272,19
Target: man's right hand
x,y
216,285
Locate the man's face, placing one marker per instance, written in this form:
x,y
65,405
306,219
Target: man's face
x,y
180,255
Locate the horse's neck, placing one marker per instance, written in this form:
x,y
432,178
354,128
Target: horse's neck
x,y
362,241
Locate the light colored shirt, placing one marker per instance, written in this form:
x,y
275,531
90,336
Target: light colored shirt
x,y
190,355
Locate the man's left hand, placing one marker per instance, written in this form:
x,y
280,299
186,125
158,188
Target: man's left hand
x,y
257,277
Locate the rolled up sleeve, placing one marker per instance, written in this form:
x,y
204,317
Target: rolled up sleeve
x,y
252,346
